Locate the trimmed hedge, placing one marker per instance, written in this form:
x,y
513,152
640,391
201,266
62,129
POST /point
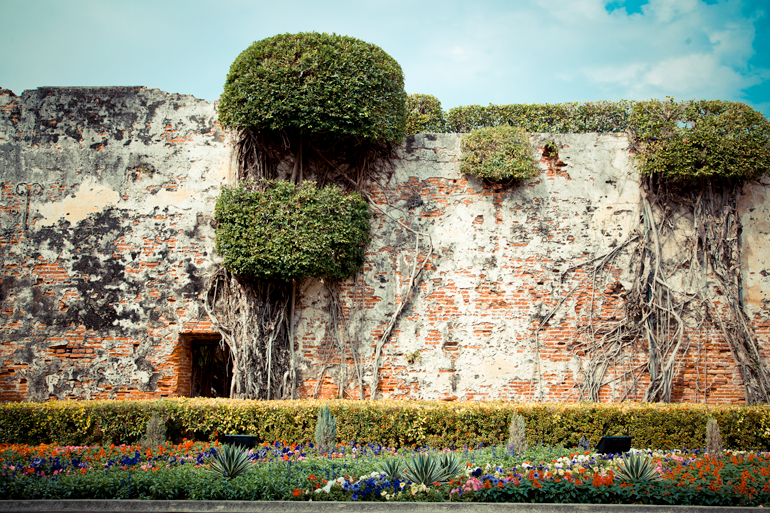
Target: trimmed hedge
x,y
316,83
499,154
681,141
285,231
701,140
424,114
573,117
391,423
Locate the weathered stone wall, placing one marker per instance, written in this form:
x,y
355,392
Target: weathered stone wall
x,y
108,195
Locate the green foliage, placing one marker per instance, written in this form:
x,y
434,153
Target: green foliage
x,y
325,430
517,435
552,118
316,83
636,467
390,423
155,433
284,231
680,141
550,150
498,154
544,453
736,483
391,467
424,114
451,465
422,468
429,468
230,461
701,140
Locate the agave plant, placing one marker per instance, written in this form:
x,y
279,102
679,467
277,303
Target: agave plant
x,y
636,467
230,462
427,469
451,465
423,469
391,467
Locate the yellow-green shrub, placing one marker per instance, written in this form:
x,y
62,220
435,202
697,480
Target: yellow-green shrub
x,y
423,114
391,423
498,154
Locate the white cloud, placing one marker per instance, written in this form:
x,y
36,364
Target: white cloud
x,y
690,76
549,51
497,51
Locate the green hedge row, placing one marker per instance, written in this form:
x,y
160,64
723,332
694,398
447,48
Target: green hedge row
x,y
391,423
605,116
686,141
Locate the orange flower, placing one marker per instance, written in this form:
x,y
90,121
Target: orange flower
x,y
296,492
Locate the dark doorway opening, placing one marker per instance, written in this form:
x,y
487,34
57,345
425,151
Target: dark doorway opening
x,y
212,368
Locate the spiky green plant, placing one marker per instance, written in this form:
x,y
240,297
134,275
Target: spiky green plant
x,y
636,467
517,435
428,468
451,465
325,430
713,439
392,468
230,462
423,469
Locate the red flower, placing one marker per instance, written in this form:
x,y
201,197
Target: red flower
x,y
296,492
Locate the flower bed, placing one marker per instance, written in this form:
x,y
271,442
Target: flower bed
x,y
353,472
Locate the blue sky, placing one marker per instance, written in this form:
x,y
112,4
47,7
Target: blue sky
x,y
481,52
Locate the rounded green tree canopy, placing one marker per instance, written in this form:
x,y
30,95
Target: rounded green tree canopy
x,y
316,83
277,229
700,140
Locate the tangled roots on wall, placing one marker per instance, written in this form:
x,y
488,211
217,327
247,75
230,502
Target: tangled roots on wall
x,y
687,255
346,161
251,317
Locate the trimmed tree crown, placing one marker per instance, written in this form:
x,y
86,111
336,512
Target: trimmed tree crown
x,y
316,83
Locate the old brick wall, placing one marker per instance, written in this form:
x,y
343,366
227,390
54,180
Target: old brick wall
x,y
107,196
107,200
504,261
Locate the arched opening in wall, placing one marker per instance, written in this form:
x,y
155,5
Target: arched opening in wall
x,y
211,366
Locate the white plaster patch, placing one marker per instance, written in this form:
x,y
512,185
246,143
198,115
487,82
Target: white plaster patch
x,y
499,368
89,199
170,198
